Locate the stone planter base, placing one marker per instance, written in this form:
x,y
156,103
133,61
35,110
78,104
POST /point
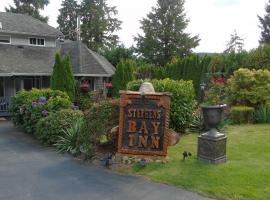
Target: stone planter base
x,y
212,149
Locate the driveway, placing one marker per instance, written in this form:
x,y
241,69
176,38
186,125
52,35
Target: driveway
x,y
29,171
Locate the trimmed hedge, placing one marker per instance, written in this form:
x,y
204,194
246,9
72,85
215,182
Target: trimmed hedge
x,y
49,129
242,114
182,102
28,107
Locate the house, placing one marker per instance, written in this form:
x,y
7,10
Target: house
x,y
27,51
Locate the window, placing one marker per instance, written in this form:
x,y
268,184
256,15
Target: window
x,y
4,39
37,41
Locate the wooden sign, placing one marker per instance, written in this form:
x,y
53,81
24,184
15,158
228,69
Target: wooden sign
x,y
144,123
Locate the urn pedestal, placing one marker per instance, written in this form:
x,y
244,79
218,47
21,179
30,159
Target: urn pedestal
x,y
212,144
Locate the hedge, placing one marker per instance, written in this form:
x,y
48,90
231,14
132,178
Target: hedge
x,y
182,102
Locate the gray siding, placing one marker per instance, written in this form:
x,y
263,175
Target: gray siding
x,y
17,39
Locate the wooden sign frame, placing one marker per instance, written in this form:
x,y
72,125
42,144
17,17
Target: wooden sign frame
x,y
162,101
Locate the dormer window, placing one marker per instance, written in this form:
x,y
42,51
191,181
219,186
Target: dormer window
x,y
5,39
37,41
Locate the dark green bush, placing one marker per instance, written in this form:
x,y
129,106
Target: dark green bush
x,y
124,73
242,114
49,129
99,120
28,107
182,102
262,115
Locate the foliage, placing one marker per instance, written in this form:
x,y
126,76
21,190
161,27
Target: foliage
x,y
117,53
164,35
84,101
62,77
242,114
235,44
189,68
31,8
262,115
182,100
48,129
28,107
123,75
265,26
249,87
99,119
67,19
215,94
244,176
197,124
68,141
98,24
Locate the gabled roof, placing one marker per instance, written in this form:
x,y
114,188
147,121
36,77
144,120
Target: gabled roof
x,y
25,24
89,62
38,61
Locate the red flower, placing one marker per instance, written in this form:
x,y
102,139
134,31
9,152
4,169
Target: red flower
x,y
108,85
84,85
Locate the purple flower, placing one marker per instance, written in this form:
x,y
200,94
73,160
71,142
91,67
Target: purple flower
x,y
73,107
34,103
45,113
42,99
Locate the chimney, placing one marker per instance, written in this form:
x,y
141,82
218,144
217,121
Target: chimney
x,y
78,27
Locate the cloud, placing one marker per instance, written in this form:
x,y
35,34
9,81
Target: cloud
x,y
226,2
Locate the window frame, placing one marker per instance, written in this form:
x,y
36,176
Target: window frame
x,y
6,42
36,38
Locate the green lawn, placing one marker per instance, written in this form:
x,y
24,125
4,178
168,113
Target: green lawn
x,y
246,175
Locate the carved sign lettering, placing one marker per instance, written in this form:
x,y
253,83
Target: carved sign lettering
x,y
143,128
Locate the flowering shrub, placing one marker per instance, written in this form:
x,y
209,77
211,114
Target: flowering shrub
x,y
48,129
28,107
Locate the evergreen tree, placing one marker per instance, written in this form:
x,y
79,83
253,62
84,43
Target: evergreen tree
x,y
123,75
235,45
164,35
265,26
116,53
30,7
98,24
67,19
62,77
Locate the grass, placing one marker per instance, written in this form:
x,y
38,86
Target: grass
x,y
246,175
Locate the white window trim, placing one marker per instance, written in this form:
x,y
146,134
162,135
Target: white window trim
x,y
36,45
6,36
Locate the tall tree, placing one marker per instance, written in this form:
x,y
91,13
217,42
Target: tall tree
x,y
67,19
265,26
30,7
164,35
62,77
235,45
99,24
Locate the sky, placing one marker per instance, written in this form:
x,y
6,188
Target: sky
x,y
213,20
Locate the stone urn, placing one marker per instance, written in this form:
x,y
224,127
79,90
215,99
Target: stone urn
x,y
212,144
212,116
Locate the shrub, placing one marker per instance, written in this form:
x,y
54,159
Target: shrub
x,y
123,75
62,77
51,127
262,115
99,119
249,87
182,102
242,114
215,94
28,107
68,142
